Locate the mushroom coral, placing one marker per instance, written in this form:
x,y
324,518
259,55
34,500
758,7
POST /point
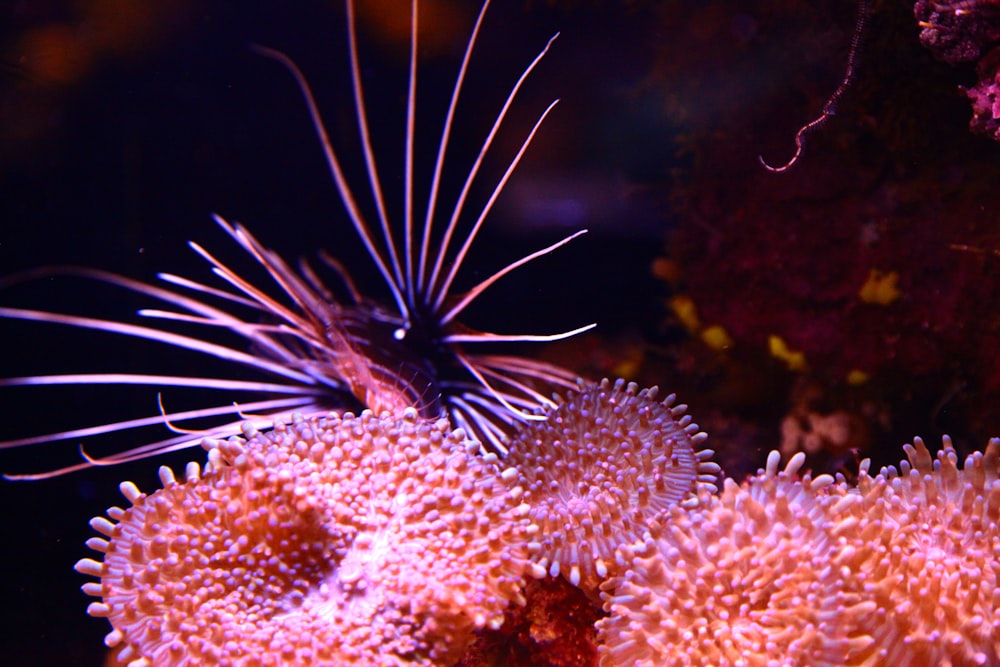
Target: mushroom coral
x,y
338,540
748,578
603,462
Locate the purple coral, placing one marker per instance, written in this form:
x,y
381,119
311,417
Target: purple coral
x,y
985,97
960,32
957,32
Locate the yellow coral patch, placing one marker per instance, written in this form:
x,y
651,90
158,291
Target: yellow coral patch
x,y
857,377
716,337
686,312
794,359
880,288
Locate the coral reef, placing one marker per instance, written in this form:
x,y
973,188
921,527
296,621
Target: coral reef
x,y
837,307
871,289
395,541
863,269
555,628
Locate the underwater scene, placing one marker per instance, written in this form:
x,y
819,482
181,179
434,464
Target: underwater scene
x,y
540,332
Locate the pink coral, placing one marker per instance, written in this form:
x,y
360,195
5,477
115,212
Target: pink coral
x,y
603,463
356,540
985,96
747,579
902,569
922,544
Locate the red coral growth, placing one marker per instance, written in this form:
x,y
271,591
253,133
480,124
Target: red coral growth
x,y
793,267
554,629
776,268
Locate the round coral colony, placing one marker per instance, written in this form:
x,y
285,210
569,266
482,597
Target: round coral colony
x,y
746,579
600,465
340,540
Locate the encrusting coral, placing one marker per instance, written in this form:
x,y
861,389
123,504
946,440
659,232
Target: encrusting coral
x,y
341,540
602,464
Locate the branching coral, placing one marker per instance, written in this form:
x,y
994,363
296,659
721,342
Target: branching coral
x,y
357,540
602,464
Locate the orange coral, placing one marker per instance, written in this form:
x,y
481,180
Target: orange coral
x,y
922,545
605,461
901,570
354,540
747,579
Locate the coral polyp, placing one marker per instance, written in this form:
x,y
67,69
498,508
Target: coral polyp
x,y
925,554
791,569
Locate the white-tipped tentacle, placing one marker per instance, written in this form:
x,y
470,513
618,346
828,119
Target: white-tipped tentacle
x,y
534,397
503,400
176,340
270,407
411,113
445,287
541,371
185,415
485,337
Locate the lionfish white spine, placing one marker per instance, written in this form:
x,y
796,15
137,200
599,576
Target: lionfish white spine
x,y
317,351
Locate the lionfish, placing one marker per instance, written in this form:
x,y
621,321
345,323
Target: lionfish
x,y
319,352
